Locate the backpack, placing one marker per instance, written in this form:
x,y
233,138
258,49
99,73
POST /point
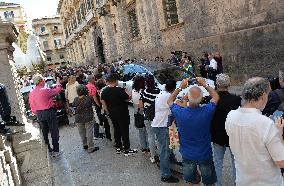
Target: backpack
x,y
280,94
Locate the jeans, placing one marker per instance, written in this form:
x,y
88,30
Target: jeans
x,y
162,134
143,138
206,168
48,122
86,134
151,137
218,155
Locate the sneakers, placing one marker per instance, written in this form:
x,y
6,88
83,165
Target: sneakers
x,y
170,179
145,151
85,147
118,151
56,154
130,152
153,160
93,149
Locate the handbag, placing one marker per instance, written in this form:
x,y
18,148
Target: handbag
x,y
139,120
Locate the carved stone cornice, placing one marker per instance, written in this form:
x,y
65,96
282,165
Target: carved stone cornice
x,y
8,35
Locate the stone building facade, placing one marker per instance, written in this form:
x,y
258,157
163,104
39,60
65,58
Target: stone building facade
x,y
52,42
84,39
14,13
248,33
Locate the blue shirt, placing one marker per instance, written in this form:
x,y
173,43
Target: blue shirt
x,y
194,130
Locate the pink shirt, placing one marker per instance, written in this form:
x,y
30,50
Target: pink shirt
x,y
40,98
91,89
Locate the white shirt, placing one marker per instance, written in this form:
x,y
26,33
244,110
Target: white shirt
x,y
162,110
135,97
71,91
213,64
256,144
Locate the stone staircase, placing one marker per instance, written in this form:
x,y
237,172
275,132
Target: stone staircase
x,y
9,171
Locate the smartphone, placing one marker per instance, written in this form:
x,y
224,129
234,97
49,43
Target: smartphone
x,y
278,113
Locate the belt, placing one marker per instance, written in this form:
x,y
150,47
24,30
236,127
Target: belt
x,y
47,109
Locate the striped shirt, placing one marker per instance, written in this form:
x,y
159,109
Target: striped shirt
x,y
148,97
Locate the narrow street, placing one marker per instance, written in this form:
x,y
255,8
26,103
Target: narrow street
x,y
77,167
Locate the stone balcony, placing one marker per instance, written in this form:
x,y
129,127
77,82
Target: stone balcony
x,y
84,24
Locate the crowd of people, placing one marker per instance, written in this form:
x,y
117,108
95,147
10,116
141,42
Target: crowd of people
x,y
238,124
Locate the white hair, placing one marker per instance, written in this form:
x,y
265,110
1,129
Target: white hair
x,y
223,80
195,101
254,88
37,79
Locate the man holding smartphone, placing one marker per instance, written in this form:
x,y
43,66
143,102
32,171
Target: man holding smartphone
x,y
194,122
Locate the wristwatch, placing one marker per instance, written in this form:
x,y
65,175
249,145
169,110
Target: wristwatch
x,y
179,88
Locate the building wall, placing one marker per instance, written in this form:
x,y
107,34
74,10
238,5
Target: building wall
x,y
19,18
248,33
53,30
80,30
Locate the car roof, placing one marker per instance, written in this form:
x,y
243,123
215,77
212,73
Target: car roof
x,y
152,67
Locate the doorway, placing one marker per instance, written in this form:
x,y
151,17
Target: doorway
x,y
100,51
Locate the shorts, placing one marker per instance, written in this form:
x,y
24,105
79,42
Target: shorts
x,y
206,168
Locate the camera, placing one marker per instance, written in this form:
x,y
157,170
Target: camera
x,y
192,81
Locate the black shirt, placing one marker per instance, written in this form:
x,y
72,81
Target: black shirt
x,y
226,103
116,101
273,103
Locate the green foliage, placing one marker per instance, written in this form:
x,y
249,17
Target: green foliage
x,y
39,68
23,71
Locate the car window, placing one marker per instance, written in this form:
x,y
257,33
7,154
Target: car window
x,y
129,71
174,73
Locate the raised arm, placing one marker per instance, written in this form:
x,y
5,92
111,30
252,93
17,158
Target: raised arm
x,y
213,93
56,90
174,95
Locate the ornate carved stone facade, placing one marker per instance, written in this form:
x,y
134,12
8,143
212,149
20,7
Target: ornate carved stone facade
x,y
82,32
52,42
248,33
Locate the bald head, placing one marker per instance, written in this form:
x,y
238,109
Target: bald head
x,y
195,95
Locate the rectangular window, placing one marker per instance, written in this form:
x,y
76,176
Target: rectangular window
x,y
57,42
83,10
48,59
66,33
45,45
42,29
78,13
171,12
134,28
90,4
61,56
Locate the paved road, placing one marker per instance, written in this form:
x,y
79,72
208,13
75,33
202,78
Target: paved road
x,y
77,167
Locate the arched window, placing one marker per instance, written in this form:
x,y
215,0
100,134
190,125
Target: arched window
x,y
171,12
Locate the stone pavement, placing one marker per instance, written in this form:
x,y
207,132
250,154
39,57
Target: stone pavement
x,y
77,167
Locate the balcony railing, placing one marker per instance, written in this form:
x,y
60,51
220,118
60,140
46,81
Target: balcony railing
x,y
91,14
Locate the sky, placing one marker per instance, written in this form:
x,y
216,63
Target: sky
x,y
37,8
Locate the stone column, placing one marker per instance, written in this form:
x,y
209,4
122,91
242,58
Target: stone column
x,y
27,145
8,72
